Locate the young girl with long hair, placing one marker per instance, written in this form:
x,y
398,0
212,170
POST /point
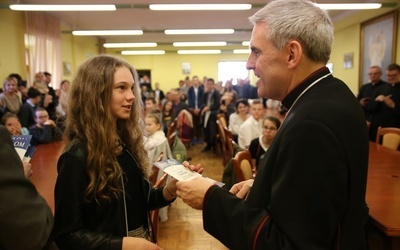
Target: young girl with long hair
x,y
102,194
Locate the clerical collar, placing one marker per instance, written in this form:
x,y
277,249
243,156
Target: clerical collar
x,y
294,94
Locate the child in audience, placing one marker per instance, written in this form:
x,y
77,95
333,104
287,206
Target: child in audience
x,y
156,141
45,130
11,122
260,145
102,194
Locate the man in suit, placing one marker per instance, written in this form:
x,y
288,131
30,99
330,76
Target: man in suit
x,y
26,220
309,192
366,90
195,97
209,111
26,114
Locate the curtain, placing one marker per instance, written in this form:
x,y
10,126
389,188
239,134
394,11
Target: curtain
x,y
43,43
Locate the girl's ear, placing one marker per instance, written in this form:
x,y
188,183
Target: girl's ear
x,y
158,126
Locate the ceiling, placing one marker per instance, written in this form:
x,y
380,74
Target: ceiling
x,y
134,14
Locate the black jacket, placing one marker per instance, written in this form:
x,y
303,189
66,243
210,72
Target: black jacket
x,y
309,192
88,225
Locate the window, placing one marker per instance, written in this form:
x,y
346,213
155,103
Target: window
x,y
232,70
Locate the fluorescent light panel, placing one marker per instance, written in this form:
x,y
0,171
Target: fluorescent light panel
x,y
198,31
198,52
106,32
200,6
241,51
129,45
246,43
143,52
192,44
349,6
63,7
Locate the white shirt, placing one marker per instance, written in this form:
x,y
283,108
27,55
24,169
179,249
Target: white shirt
x,y
235,122
248,131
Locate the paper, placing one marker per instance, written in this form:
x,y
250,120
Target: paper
x,y
21,144
175,169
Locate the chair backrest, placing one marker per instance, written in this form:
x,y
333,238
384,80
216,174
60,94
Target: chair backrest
x,y
242,164
171,139
155,213
222,138
388,137
172,127
221,118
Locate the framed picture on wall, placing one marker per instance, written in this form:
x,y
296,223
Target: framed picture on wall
x,y
378,44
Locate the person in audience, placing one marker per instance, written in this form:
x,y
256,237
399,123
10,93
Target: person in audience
x,y
251,128
195,97
309,192
209,111
11,122
27,112
51,108
168,115
156,137
9,100
384,107
366,90
26,219
150,104
239,117
227,106
103,172
45,129
178,104
159,94
63,99
260,145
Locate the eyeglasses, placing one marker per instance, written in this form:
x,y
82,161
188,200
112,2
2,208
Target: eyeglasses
x,y
269,128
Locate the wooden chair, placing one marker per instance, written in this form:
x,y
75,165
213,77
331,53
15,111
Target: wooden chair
x,y
243,167
388,137
155,213
172,127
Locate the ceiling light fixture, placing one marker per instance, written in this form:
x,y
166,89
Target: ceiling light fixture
x,y
129,45
246,43
198,31
349,6
199,52
106,32
63,7
241,51
193,44
143,52
200,6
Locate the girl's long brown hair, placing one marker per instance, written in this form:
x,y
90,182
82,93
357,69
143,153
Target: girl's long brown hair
x,y
90,121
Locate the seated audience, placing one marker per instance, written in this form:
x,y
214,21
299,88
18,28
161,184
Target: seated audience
x,y
251,128
236,119
26,219
45,130
260,145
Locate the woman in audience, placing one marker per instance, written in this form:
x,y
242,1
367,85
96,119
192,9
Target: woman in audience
x,y
168,115
259,146
102,194
9,99
237,119
11,122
